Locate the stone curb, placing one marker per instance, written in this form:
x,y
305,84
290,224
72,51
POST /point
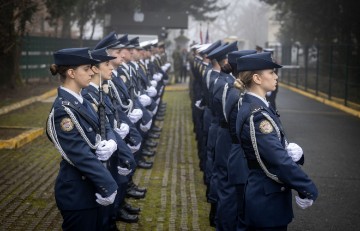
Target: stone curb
x,y
17,105
323,100
22,138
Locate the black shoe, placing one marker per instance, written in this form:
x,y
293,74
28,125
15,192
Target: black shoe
x,y
131,192
124,216
153,135
156,129
131,210
159,118
151,144
161,114
131,184
144,164
113,227
148,153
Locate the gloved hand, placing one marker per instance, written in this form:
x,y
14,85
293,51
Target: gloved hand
x,y
164,68
197,104
105,149
153,83
294,151
151,91
145,127
157,77
144,100
105,201
123,171
135,115
123,130
303,203
134,148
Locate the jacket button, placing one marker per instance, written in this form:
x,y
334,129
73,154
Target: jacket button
x,y
282,189
83,177
90,129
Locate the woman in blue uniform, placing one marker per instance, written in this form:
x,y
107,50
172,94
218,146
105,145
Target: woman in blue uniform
x,y
122,164
273,163
83,183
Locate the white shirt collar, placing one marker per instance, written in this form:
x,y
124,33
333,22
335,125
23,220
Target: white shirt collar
x,y
76,95
115,73
218,71
136,65
142,61
94,85
125,65
261,98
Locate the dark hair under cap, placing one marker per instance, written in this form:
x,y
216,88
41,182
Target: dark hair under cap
x,y
254,62
221,52
74,57
101,55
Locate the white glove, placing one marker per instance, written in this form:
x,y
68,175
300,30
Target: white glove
x,y
294,151
123,171
151,91
135,115
157,77
134,148
303,203
153,83
197,104
123,130
145,127
144,100
164,68
105,149
105,201
268,93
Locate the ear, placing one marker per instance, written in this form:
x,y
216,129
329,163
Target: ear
x,y
257,79
71,73
95,69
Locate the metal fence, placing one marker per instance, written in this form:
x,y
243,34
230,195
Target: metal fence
x,y
36,55
330,71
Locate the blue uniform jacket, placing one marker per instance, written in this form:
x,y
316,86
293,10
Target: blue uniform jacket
x,y
124,153
268,203
75,186
237,166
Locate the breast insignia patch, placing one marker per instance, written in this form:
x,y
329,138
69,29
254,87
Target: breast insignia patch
x,y
66,124
266,127
123,77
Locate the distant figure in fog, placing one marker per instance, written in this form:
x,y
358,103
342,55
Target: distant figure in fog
x,y
184,65
176,55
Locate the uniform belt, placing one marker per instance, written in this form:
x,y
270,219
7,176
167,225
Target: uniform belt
x,y
224,125
253,164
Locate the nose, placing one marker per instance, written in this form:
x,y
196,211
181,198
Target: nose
x,y
276,76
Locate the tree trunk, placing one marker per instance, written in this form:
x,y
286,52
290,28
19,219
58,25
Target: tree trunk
x,y
9,47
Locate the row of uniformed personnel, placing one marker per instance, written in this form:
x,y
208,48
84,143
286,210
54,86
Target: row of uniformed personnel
x,y
249,166
102,123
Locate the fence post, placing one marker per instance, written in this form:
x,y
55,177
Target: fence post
x,y
297,69
347,74
317,69
330,70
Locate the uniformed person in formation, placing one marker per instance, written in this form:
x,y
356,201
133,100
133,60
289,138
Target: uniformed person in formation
x,y
273,162
83,184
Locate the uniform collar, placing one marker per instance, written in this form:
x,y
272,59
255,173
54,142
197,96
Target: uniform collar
x,y
94,85
259,97
125,65
76,95
115,72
